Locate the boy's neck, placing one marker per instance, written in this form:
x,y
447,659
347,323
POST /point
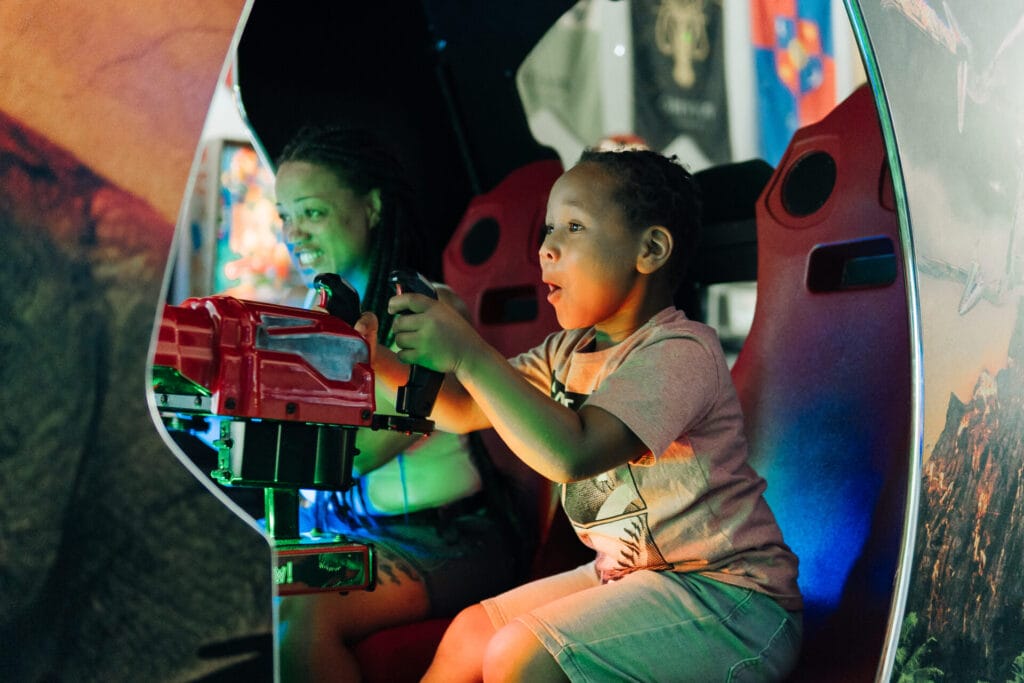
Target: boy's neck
x,y
630,319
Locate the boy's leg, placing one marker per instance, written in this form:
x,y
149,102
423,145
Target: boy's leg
x,y
472,651
656,626
515,654
461,654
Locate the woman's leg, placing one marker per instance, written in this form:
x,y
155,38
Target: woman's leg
x,y
317,629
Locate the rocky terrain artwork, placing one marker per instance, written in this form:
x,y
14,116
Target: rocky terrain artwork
x,y
966,602
116,563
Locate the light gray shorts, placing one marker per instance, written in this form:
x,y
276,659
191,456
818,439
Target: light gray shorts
x,y
655,626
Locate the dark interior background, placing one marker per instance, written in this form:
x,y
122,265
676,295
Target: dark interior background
x,y
437,77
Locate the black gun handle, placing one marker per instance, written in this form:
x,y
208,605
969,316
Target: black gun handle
x,y
337,296
411,281
417,397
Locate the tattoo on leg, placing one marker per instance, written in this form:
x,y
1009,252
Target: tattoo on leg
x,y
390,568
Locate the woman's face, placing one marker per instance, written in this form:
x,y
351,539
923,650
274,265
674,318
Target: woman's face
x,y
326,225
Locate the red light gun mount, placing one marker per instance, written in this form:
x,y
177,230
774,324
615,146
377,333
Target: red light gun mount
x,y
290,388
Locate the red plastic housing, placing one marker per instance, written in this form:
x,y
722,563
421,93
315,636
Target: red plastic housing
x,y
261,360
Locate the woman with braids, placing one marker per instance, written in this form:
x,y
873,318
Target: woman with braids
x,y
347,208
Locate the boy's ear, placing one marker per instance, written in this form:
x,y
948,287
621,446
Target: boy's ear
x,y
655,249
373,208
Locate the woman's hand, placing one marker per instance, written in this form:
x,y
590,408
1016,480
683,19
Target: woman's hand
x,y
367,326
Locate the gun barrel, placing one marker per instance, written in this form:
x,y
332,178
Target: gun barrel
x,y
265,361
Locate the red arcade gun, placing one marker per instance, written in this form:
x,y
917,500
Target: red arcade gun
x,y
290,387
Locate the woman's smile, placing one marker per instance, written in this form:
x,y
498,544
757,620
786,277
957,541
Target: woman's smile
x,y
308,257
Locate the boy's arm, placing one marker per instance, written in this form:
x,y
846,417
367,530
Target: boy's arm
x,y
454,410
556,441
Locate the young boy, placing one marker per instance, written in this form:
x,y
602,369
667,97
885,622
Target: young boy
x,y
691,580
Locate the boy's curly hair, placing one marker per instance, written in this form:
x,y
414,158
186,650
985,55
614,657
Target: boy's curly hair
x,y
655,190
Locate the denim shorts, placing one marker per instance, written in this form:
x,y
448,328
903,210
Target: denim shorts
x,y
655,626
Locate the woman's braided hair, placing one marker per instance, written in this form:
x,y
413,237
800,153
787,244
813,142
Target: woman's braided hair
x,y
653,189
363,163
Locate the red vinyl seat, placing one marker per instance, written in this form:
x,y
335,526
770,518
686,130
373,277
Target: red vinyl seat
x,y
491,259
825,381
491,262
824,375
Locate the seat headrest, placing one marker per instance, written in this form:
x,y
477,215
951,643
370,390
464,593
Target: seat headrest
x,y
729,192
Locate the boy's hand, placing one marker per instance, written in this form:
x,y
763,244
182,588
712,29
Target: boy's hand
x,y
430,333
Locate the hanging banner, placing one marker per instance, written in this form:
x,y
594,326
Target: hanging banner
x,y
558,76
679,79
795,69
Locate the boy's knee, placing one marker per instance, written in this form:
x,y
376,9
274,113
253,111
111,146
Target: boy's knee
x,y
515,654
472,619
471,628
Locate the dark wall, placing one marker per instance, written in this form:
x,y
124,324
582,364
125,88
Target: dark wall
x,y
437,77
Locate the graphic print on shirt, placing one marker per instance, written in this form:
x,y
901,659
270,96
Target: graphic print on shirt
x,y
609,513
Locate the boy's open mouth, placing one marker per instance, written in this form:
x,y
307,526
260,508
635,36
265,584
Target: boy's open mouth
x,y
553,291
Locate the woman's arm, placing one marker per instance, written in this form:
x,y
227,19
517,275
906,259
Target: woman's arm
x,y
379,446
559,443
454,410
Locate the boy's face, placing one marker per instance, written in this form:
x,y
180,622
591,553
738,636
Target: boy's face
x,y
589,255
325,224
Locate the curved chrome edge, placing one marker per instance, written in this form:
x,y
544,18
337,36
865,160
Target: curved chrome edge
x,y
906,556
179,243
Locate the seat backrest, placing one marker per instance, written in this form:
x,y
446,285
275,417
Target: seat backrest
x,y
491,262
824,376
491,259
726,251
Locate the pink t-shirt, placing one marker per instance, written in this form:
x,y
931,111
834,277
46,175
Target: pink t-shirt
x,y
692,503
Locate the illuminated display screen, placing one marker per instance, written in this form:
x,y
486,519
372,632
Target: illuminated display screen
x,y
250,259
